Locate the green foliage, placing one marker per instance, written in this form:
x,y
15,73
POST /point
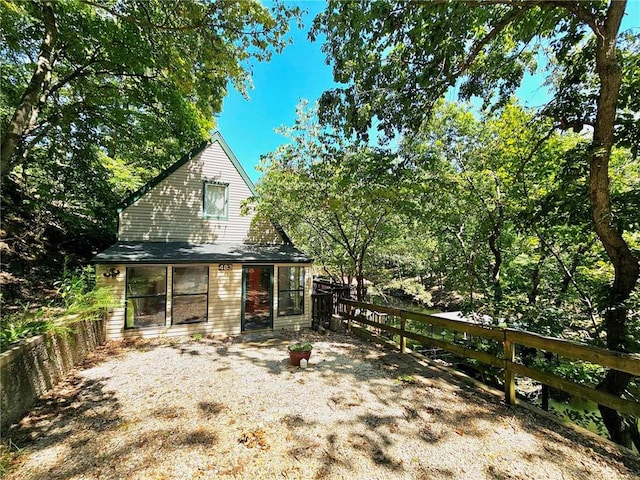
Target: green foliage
x,y
576,89
77,292
412,287
633,329
515,203
135,82
77,299
22,325
388,56
578,372
301,347
337,199
507,221
398,60
131,86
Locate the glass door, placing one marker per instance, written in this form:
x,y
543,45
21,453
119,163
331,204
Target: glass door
x,y
257,297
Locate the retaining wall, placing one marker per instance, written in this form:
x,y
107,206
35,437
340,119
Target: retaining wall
x,y
36,365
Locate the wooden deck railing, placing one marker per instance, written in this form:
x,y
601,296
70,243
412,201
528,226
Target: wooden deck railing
x,y
505,357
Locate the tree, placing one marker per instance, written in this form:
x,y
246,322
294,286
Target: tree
x,y
337,200
493,170
399,58
116,73
95,99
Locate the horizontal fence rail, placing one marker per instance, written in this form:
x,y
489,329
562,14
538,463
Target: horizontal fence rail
x,y
504,356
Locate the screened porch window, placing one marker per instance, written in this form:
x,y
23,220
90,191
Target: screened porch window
x,y
190,292
216,200
290,291
146,297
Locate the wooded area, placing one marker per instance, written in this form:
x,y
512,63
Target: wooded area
x,y
96,99
527,216
530,215
503,355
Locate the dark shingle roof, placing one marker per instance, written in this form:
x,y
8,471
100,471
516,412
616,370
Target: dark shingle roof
x,y
183,252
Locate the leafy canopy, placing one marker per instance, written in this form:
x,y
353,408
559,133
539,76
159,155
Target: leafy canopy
x,y
98,96
138,81
397,59
336,199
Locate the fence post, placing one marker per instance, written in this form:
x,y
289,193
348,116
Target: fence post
x,y
403,339
545,397
509,377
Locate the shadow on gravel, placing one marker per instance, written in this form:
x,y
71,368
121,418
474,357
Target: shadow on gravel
x,y
354,370
77,405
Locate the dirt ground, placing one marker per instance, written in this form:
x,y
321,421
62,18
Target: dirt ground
x,y
235,408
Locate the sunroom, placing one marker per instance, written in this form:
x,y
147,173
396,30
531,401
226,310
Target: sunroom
x,y
170,289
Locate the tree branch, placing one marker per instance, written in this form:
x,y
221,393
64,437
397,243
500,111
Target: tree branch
x,y
514,15
580,12
533,151
200,24
78,72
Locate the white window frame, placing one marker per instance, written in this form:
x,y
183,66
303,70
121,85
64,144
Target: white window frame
x,y
225,214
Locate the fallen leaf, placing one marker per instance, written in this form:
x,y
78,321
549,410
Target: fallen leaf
x,y
253,439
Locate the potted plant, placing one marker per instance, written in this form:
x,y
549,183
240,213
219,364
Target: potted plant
x,y
298,351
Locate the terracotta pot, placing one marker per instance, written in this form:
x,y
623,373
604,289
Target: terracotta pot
x,y
295,357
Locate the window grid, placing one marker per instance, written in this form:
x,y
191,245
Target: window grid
x,y
291,300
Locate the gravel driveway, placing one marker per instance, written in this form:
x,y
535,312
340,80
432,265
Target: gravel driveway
x,y
235,408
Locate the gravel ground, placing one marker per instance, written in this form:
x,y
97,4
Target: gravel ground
x,y
235,408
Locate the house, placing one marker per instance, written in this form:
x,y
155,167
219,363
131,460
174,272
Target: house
x,y
186,261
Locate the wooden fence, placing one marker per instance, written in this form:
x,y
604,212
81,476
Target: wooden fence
x,y
505,356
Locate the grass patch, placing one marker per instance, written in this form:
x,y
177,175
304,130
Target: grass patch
x,y
406,379
9,451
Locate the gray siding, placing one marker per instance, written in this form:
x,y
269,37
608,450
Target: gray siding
x,y
173,210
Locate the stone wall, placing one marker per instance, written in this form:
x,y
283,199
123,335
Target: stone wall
x,y
36,365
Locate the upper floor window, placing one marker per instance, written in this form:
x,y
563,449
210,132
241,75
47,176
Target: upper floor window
x,y
216,200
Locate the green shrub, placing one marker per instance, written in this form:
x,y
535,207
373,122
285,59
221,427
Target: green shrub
x,y
76,293
301,347
21,325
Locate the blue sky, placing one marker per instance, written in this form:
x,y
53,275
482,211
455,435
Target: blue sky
x,y
300,72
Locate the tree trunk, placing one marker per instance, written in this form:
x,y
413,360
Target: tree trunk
x,y
624,262
497,263
22,115
359,282
535,278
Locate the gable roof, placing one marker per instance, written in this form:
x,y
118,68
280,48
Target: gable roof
x,y
216,137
